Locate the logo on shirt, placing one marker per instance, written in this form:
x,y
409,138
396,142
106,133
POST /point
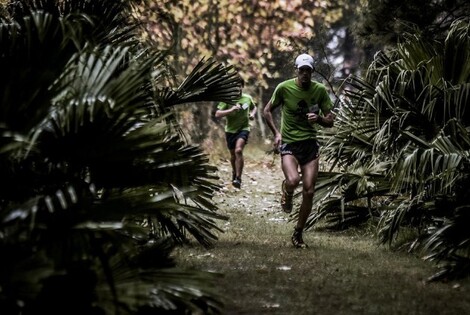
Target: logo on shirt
x,y
303,109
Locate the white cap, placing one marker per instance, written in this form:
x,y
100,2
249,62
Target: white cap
x,y
304,60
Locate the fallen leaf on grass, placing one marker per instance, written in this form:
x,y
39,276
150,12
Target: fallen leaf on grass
x,y
284,268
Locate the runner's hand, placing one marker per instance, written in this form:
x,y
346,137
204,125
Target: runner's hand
x,y
277,142
313,118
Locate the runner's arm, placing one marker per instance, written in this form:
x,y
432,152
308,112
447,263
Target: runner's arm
x,y
224,112
268,116
253,113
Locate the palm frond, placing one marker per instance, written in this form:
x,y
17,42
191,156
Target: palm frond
x,y
448,244
346,192
42,34
94,168
401,212
457,53
208,81
409,111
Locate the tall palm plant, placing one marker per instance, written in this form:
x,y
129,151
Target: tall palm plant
x,y
400,150
97,183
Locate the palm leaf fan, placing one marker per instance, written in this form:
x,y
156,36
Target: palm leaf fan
x,y
208,81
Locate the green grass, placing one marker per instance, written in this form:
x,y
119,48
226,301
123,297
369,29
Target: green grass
x,y
340,272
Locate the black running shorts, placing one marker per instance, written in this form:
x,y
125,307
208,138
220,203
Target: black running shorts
x,y
232,138
304,151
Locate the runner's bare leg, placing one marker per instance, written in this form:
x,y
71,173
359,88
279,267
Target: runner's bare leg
x,y
309,178
290,169
238,157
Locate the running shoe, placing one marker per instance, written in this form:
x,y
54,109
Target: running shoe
x,y
297,239
286,199
237,182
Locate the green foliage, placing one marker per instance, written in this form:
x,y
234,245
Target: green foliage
x,y
400,148
97,182
382,23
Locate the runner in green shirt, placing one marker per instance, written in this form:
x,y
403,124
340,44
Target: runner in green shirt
x,y
237,131
304,104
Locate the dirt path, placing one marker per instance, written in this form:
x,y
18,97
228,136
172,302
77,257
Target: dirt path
x,y
340,273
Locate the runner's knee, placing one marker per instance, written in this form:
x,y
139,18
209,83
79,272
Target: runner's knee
x,y
293,181
308,192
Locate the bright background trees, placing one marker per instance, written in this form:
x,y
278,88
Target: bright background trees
x,y
259,38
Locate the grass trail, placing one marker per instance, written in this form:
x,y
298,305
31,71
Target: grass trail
x,y
340,273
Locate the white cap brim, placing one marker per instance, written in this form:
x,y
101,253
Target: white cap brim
x,y
303,64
